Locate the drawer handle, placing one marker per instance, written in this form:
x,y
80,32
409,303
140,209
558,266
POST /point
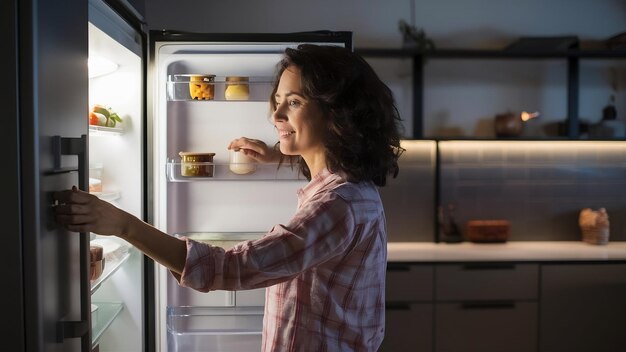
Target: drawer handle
x,y
488,305
489,266
391,267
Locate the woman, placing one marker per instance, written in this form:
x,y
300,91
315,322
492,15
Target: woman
x,y
324,268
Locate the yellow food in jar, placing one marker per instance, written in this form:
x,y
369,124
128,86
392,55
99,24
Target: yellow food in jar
x,y
237,91
196,164
201,87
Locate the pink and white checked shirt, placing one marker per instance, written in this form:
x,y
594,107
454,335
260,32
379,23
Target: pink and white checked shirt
x,y
324,270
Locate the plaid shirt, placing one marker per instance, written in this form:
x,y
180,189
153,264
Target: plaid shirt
x,y
324,269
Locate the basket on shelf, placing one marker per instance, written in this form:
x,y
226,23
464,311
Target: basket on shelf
x,y
594,226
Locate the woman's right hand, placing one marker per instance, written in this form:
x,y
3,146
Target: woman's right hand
x,y
256,149
83,212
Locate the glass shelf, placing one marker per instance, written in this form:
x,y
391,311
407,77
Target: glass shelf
x,y
255,89
111,264
225,240
107,196
104,316
105,131
222,172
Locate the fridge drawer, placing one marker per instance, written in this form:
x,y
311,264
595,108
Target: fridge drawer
x,y
490,281
182,296
409,283
223,329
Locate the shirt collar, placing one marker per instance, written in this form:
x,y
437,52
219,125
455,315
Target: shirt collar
x,y
316,184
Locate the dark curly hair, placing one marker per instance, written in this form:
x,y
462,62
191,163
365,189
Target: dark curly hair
x,y
362,136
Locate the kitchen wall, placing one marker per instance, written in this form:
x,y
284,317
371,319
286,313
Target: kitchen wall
x,y
496,85
452,23
463,96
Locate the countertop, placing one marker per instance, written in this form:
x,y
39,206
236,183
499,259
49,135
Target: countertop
x,y
543,251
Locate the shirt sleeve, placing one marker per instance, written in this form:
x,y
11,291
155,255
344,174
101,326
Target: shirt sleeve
x,y
322,228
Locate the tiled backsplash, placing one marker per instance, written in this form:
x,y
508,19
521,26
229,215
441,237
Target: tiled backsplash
x,y
540,186
409,199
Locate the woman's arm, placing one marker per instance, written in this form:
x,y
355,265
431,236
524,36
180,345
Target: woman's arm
x,y
83,212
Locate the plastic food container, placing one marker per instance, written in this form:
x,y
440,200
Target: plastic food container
x,y
196,164
95,178
240,163
237,88
201,87
96,260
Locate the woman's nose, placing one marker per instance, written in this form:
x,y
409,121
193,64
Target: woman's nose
x,y
279,114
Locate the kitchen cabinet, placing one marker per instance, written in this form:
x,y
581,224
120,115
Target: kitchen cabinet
x,y
583,307
409,308
571,57
468,307
486,307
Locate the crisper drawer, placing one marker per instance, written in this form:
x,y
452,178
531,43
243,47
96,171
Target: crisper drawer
x,y
490,281
486,327
409,283
214,329
408,327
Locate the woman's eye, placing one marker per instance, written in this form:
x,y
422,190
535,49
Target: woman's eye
x,y
294,103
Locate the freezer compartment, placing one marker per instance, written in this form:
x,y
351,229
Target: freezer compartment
x,y
221,329
208,87
178,172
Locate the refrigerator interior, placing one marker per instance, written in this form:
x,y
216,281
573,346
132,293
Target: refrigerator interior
x,y
115,158
225,208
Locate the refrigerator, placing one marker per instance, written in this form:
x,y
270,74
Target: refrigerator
x,y
62,64
206,90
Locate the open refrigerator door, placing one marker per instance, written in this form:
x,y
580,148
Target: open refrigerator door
x,y
115,114
207,91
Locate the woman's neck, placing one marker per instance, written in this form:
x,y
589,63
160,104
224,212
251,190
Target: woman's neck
x,y
316,163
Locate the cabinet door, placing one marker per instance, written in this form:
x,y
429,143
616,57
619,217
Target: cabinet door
x,y
408,327
486,326
583,307
487,281
409,283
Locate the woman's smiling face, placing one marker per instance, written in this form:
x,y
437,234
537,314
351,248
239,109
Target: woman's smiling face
x,y
298,120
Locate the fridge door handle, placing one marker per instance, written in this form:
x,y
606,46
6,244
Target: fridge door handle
x,y
71,146
77,329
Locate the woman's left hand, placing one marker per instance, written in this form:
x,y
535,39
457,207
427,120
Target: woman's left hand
x,y
255,149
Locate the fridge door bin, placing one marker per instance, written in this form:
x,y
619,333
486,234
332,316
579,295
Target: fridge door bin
x,y
183,87
224,329
223,172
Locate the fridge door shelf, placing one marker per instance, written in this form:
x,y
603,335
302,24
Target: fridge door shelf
x,y
105,131
222,328
111,264
180,88
207,171
107,312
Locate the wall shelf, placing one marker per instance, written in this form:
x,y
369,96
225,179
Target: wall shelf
x,y
572,56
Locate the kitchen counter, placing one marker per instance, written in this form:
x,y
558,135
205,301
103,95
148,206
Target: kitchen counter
x,y
543,251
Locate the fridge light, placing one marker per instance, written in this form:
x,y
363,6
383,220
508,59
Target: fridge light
x,y
99,66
